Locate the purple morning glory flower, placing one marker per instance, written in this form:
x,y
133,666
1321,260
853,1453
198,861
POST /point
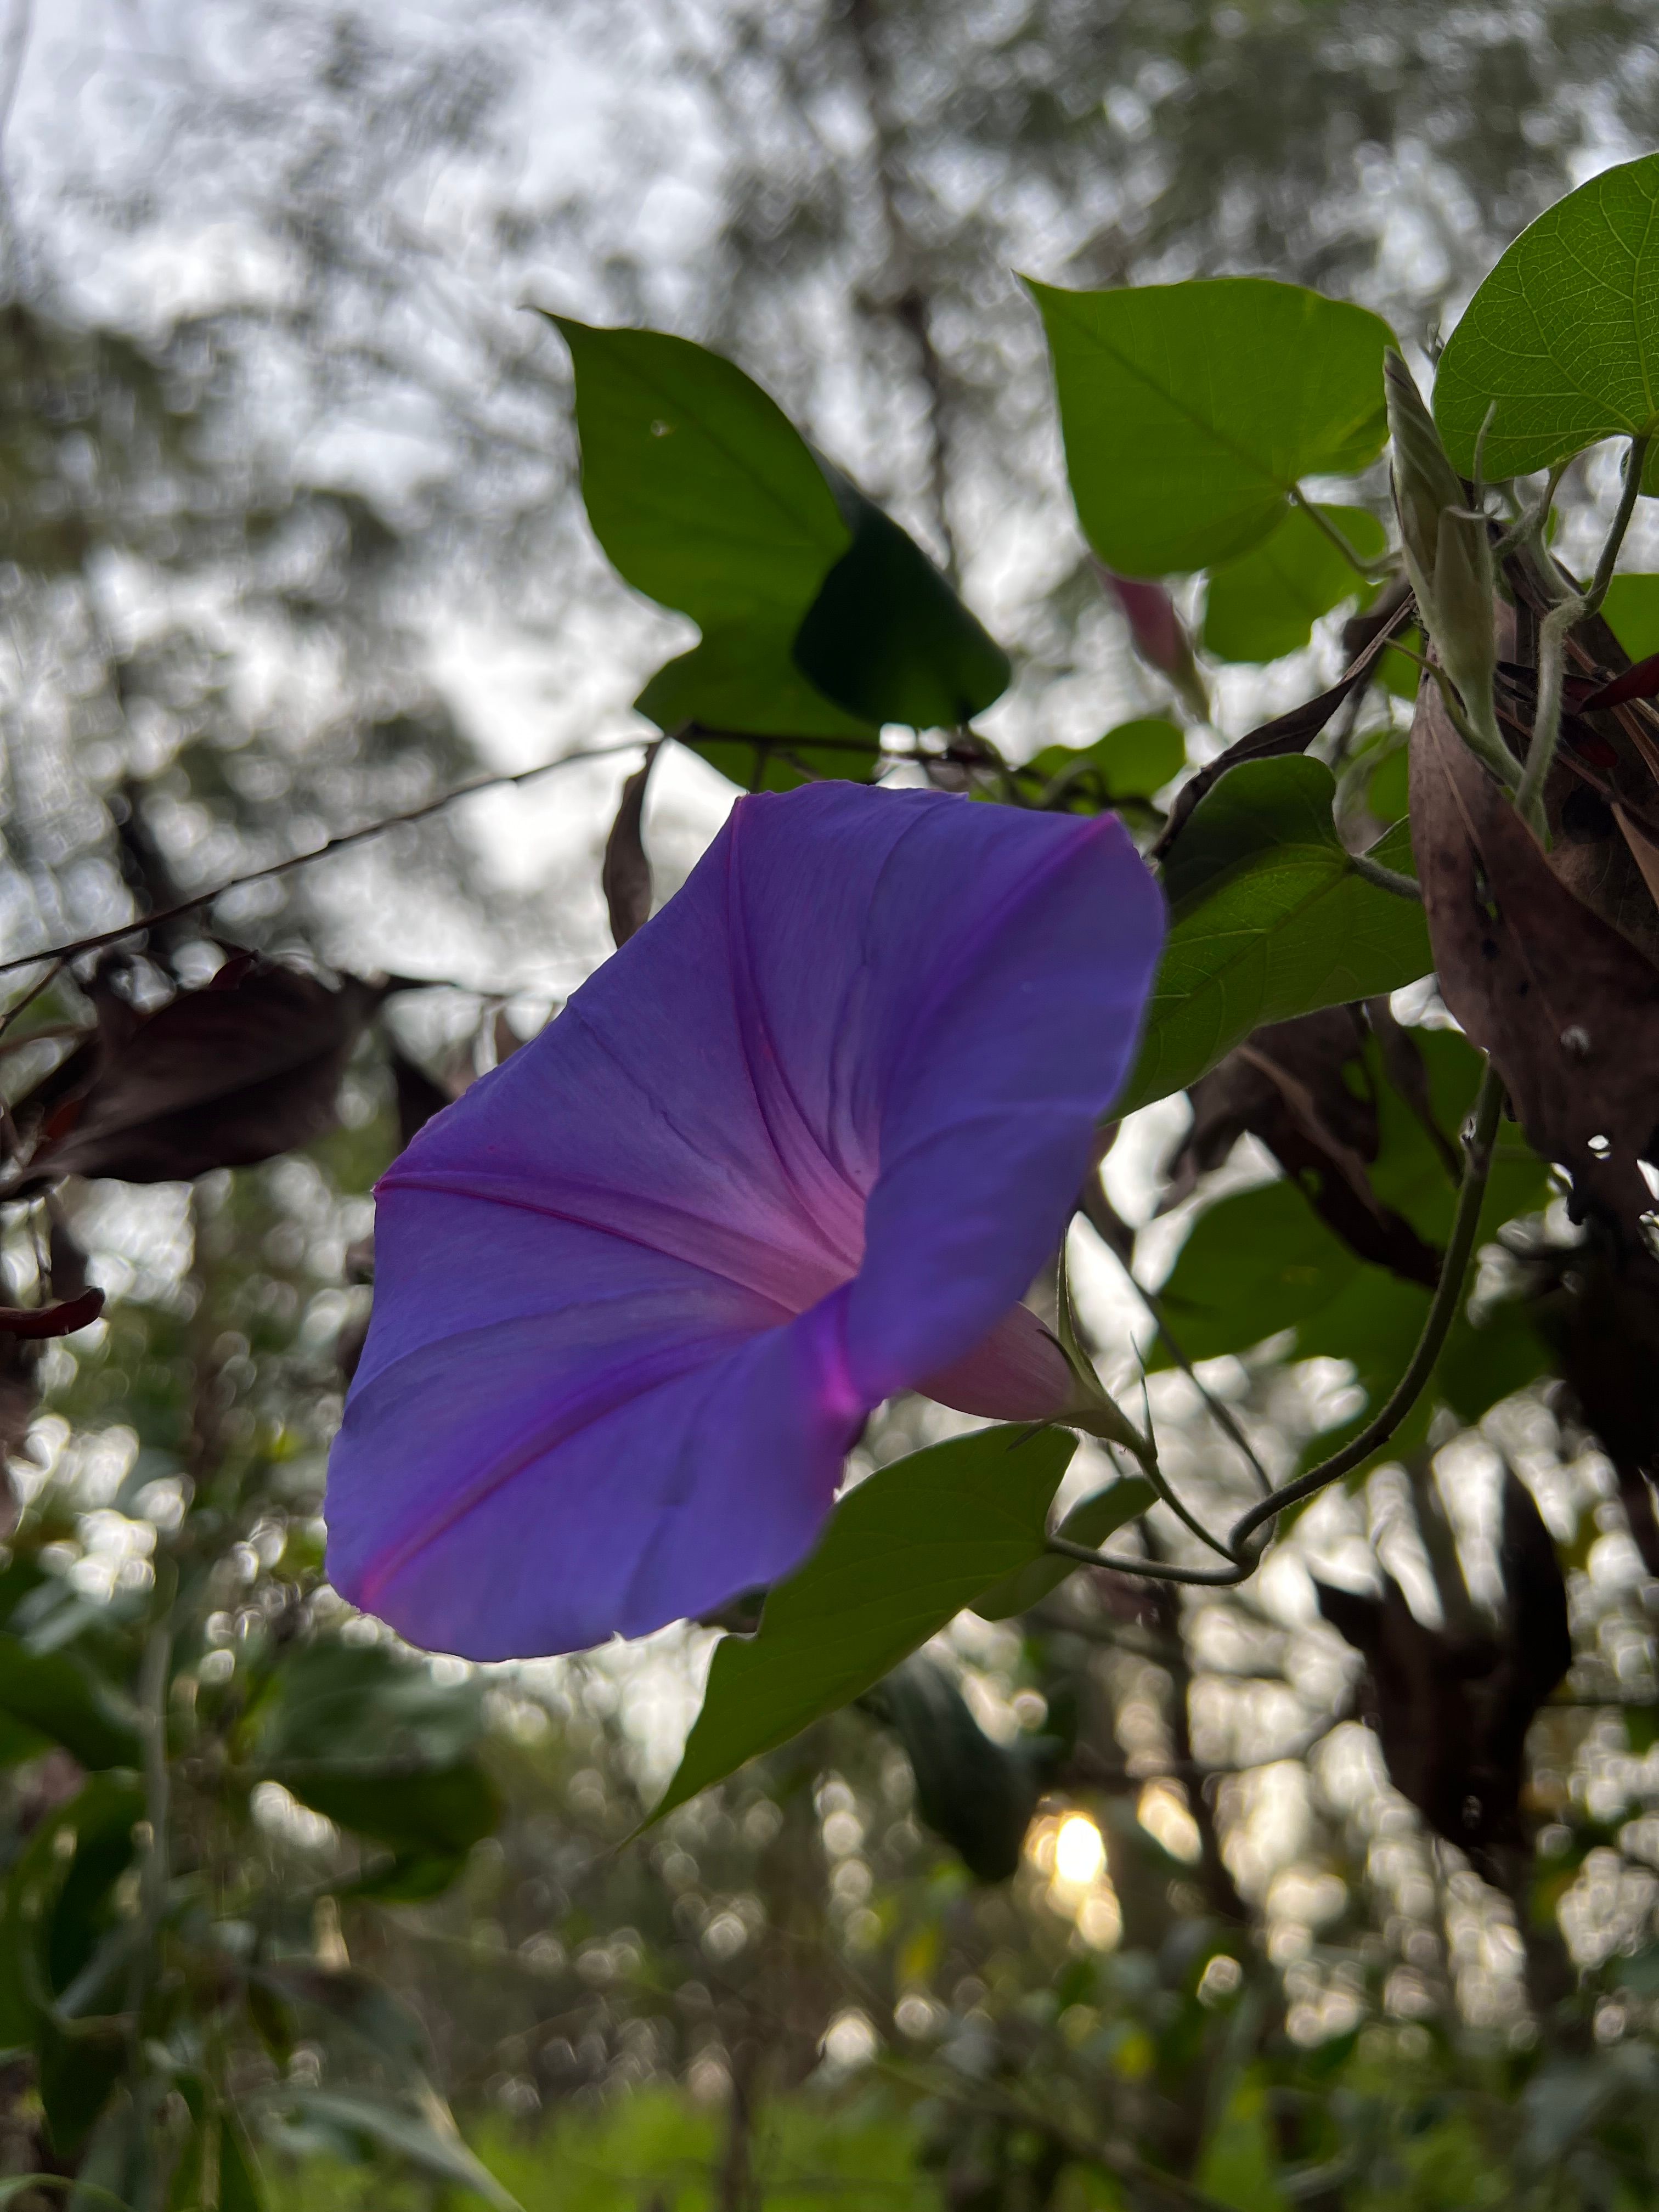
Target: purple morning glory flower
x,y
803,1143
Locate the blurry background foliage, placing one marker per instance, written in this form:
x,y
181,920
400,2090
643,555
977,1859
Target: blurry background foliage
x,y
1109,1902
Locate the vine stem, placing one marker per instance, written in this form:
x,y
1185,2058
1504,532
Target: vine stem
x,y
1443,1309
1552,645
1321,520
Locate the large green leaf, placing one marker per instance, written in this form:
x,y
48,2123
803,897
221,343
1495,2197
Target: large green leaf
x,y
820,617
1267,604
1560,346
1190,410
1268,919
903,1553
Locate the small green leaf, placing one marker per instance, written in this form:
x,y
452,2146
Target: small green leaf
x,y
1189,411
1560,344
903,1553
1267,605
1632,610
1130,762
1268,920
1090,1521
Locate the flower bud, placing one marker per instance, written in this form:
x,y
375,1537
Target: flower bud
x,y
1448,555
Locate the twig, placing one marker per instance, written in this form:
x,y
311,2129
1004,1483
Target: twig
x,y
96,943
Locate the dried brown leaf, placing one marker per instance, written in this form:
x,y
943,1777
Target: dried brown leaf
x,y
247,1067
57,1317
625,876
1566,1006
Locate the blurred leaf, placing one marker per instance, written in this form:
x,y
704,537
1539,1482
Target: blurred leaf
x,y
372,1741
903,1553
1090,1521
1268,920
1239,2164
887,638
331,1700
65,1700
1265,605
436,1813
421,2132
1396,672
1189,411
357,2002
1632,610
245,1068
1561,342
1132,762
977,1794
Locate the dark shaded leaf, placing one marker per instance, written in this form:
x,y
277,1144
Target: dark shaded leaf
x,y
887,638
1567,1008
223,1077
1305,1089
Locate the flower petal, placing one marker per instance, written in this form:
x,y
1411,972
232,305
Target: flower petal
x,y
953,1004
537,1480
587,1404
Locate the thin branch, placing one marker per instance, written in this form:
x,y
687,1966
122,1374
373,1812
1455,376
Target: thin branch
x,y
97,942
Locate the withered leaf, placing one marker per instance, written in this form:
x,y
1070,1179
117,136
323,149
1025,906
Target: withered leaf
x,y
1452,1711
1566,1006
57,1317
625,876
222,1077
